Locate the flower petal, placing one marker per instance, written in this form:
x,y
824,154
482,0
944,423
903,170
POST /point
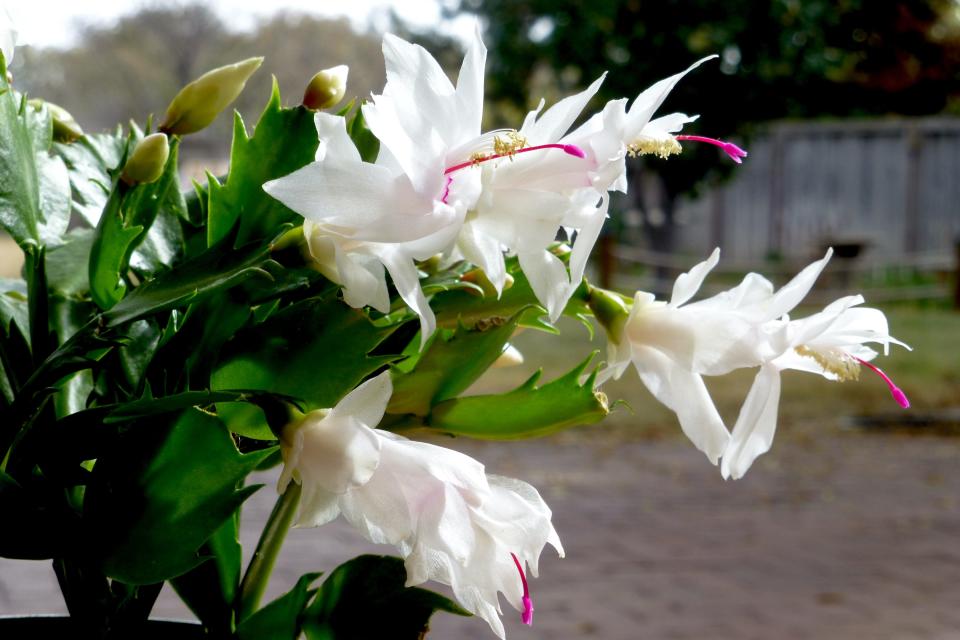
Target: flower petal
x,y
684,392
689,283
555,122
650,100
484,251
406,279
670,123
367,402
317,507
334,140
756,424
586,238
320,191
470,87
548,278
8,36
792,293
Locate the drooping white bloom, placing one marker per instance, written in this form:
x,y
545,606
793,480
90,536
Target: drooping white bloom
x,y
674,344
451,521
831,343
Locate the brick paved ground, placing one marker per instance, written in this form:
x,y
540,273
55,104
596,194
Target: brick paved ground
x,y
842,535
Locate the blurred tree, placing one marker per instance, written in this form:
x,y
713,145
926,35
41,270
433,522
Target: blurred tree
x,y
783,58
134,67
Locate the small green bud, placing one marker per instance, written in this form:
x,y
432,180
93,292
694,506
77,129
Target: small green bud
x,y
65,128
201,101
147,161
611,310
327,88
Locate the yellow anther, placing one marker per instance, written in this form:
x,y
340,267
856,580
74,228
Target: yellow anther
x,y
478,157
834,361
662,148
508,144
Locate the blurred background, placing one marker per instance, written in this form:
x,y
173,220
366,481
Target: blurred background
x,y
851,112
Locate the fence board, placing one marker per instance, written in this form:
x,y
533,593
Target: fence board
x,y
835,181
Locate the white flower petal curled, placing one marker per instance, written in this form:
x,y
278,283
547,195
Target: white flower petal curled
x,y
450,521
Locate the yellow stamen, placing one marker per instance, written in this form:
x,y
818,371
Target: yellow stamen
x,y
478,157
660,148
508,144
834,361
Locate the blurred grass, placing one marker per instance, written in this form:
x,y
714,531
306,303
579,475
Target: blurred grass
x,y
930,376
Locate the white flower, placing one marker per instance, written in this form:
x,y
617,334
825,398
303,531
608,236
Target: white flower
x,y
673,344
528,197
830,343
525,201
403,207
451,521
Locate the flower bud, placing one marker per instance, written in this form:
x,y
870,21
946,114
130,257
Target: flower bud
x,y
327,88
65,128
147,161
201,101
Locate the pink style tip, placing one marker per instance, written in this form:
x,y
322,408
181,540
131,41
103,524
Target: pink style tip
x,y
527,616
574,150
734,152
895,391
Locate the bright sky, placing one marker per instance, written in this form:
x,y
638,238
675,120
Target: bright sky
x,y
51,22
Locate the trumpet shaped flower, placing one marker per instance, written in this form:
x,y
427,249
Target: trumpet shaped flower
x,y
450,521
673,344
831,343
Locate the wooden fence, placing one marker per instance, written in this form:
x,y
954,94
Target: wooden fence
x,y
887,190
891,185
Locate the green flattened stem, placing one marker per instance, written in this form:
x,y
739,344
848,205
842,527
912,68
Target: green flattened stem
x,y
255,580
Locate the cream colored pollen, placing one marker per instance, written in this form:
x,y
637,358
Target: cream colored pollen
x,y
834,361
661,148
508,144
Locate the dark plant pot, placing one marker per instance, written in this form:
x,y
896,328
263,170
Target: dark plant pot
x,y
30,627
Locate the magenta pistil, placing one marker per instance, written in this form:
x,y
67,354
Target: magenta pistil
x,y
895,391
527,615
570,149
732,150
